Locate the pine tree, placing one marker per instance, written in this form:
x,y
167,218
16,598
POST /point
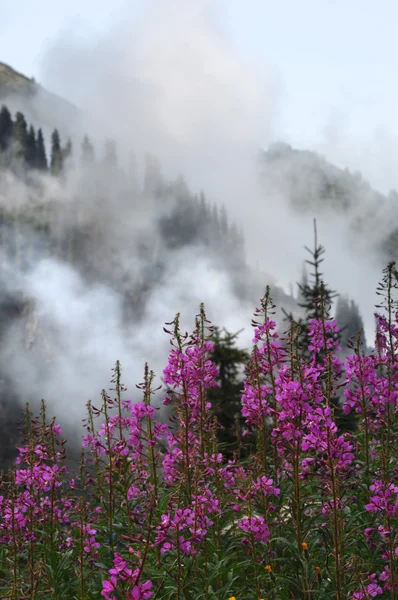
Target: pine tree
x,y
356,324
31,148
223,222
215,225
6,127
203,218
314,294
317,299
234,246
302,285
349,319
41,158
226,400
88,154
67,151
56,164
20,139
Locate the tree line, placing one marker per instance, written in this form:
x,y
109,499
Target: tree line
x,y
24,148
183,219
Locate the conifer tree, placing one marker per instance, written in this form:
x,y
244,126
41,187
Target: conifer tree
x,y
56,164
226,400
67,151
41,158
313,292
215,225
349,320
223,222
203,218
87,152
31,148
6,127
235,247
20,138
302,285
317,299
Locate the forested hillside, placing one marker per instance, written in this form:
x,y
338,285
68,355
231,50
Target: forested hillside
x,y
82,206
77,206
311,183
40,106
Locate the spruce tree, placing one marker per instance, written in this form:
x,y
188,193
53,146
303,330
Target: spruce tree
x,y
349,319
20,139
67,151
223,222
302,285
6,127
215,226
203,218
31,148
313,292
226,400
317,299
41,158
56,164
87,152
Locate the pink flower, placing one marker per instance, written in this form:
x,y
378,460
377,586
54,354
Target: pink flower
x,y
255,526
374,590
141,591
108,587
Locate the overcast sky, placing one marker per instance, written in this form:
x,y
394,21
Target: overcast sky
x,y
335,62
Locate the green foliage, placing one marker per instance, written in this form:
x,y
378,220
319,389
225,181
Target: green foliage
x,y
349,320
57,159
67,151
41,158
226,400
31,148
20,139
315,297
87,152
20,148
314,293
6,127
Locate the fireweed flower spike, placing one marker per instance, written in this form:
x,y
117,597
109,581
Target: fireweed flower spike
x,y
189,374
304,493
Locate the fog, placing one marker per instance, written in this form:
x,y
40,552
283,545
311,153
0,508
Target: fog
x,y
172,82
169,82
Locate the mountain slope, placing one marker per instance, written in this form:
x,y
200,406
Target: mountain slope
x,y
40,107
314,186
12,82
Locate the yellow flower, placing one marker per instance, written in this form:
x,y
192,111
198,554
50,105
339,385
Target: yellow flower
x,y
232,598
304,546
268,568
318,570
